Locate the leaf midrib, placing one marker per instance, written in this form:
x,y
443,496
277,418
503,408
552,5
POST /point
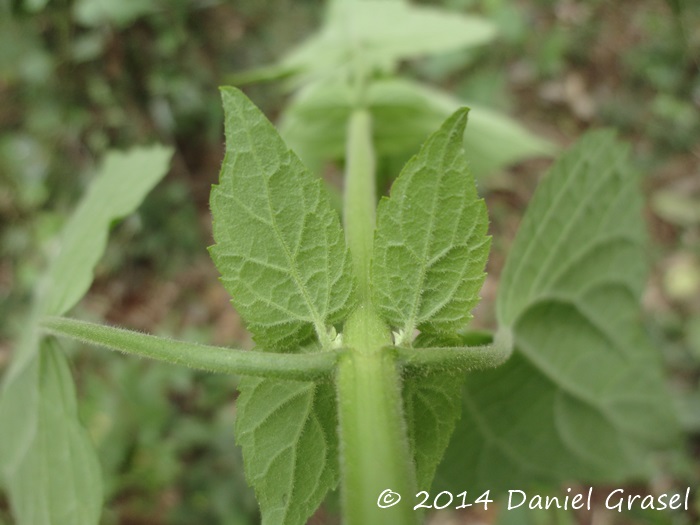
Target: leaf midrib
x,y
611,172
563,384
444,172
552,208
410,324
317,320
494,440
293,445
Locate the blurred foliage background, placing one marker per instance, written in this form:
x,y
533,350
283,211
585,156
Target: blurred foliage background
x,y
78,77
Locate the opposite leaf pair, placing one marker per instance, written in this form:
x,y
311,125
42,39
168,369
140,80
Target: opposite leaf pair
x,y
281,252
282,255
584,373
582,398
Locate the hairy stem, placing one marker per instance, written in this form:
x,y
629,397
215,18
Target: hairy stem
x,y
300,367
458,359
375,455
360,198
374,447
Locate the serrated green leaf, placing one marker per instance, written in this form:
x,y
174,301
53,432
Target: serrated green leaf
x,y
583,227
55,477
404,113
432,405
57,482
583,397
433,402
287,430
290,271
430,245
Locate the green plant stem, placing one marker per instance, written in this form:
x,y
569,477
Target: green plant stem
x,y
360,198
301,367
458,359
374,450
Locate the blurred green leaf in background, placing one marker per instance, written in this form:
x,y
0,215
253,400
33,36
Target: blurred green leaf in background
x,y
80,78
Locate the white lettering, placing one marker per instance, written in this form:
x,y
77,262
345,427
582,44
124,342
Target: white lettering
x,y
675,502
536,502
617,505
576,502
510,498
552,500
662,502
648,503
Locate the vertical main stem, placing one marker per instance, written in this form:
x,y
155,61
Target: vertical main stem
x,y
374,451
375,456
360,197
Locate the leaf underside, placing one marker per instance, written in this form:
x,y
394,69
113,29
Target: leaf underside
x,y
430,250
279,245
287,430
47,460
124,180
432,406
55,478
583,397
431,245
289,275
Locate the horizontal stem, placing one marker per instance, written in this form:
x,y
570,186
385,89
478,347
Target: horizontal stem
x,y
300,367
458,359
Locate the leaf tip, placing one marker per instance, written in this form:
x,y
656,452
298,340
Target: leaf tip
x,y
228,91
458,120
453,128
233,99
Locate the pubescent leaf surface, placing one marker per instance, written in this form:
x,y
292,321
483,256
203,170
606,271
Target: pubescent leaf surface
x,y
287,430
46,458
583,397
432,405
279,246
431,242
433,402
